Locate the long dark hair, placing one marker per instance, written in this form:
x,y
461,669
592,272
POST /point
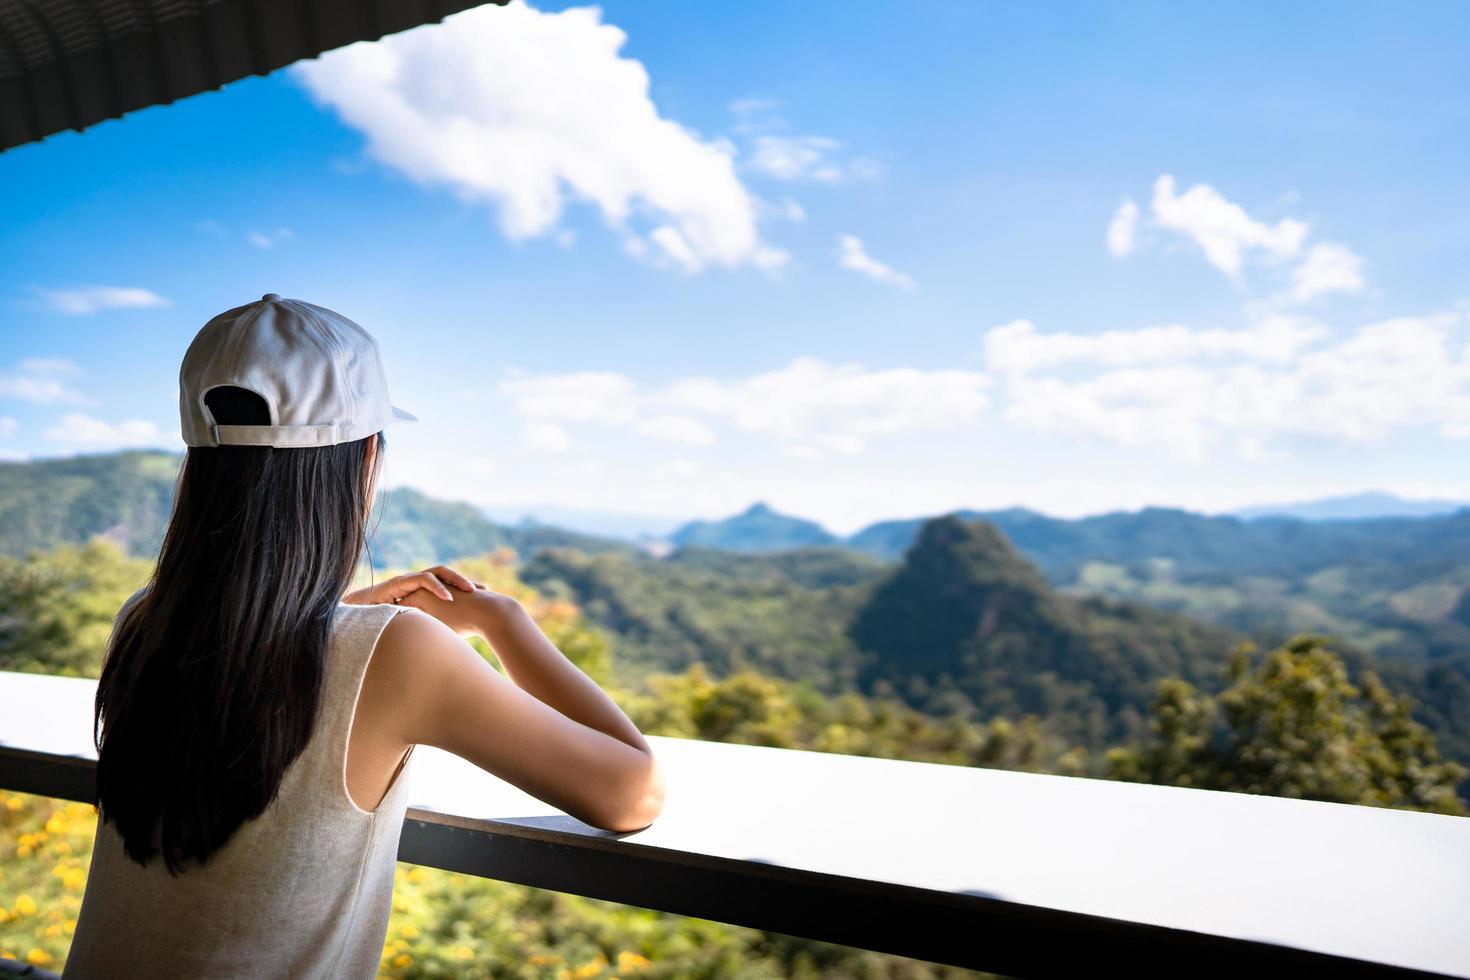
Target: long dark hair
x,y
212,680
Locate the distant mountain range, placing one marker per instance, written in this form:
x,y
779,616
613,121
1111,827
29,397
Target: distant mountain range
x,y
1192,543
757,529
1355,506
1002,611
127,496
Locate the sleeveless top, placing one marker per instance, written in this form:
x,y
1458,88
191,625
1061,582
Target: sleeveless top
x,y
304,890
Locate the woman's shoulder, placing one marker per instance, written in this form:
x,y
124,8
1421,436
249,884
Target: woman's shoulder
x,y
414,658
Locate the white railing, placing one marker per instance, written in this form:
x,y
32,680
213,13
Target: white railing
x,y
1021,874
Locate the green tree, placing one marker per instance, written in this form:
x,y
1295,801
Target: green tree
x,y
1291,723
57,607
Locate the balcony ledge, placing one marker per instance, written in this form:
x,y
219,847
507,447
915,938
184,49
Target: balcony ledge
x,y
1016,873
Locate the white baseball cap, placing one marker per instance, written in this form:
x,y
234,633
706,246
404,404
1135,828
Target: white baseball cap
x,y
320,375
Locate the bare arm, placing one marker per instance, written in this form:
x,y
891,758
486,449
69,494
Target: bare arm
x,y
541,670
548,729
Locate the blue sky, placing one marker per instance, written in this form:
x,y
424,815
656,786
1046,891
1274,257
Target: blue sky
x,y
859,262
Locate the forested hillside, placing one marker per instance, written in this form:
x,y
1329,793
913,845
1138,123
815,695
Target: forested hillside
x,y
1288,722
966,624
1388,586
126,496
795,613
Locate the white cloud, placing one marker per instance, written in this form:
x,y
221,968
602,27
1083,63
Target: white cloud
x,y
39,380
677,469
676,428
791,210
1193,392
78,429
807,158
852,255
796,157
525,110
94,299
261,239
809,406
1328,268
54,366
585,396
1018,348
1122,228
546,437
836,407
8,426
1229,237
1222,228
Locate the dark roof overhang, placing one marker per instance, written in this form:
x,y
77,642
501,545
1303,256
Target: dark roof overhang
x,y
68,64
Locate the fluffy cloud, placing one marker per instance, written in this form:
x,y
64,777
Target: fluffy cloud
x,y
1018,348
584,396
77,429
8,426
809,407
836,407
94,299
525,110
1228,237
39,380
1221,228
1193,392
1328,268
1122,228
676,428
546,437
852,255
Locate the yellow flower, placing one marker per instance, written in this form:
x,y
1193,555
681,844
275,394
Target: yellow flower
x,y
629,961
464,952
38,957
25,905
591,969
402,959
74,879
418,876
542,959
56,824
23,851
409,931
14,803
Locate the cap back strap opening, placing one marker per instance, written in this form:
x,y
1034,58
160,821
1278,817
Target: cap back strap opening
x,y
280,436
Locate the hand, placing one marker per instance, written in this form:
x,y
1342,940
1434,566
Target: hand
x,y
399,587
479,612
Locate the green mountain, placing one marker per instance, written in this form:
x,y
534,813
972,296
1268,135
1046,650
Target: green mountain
x,y
124,496
127,496
1354,506
962,626
965,623
1196,544
759,528
782,614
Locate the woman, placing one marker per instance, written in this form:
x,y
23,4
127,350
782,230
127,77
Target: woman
x,y
255,724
